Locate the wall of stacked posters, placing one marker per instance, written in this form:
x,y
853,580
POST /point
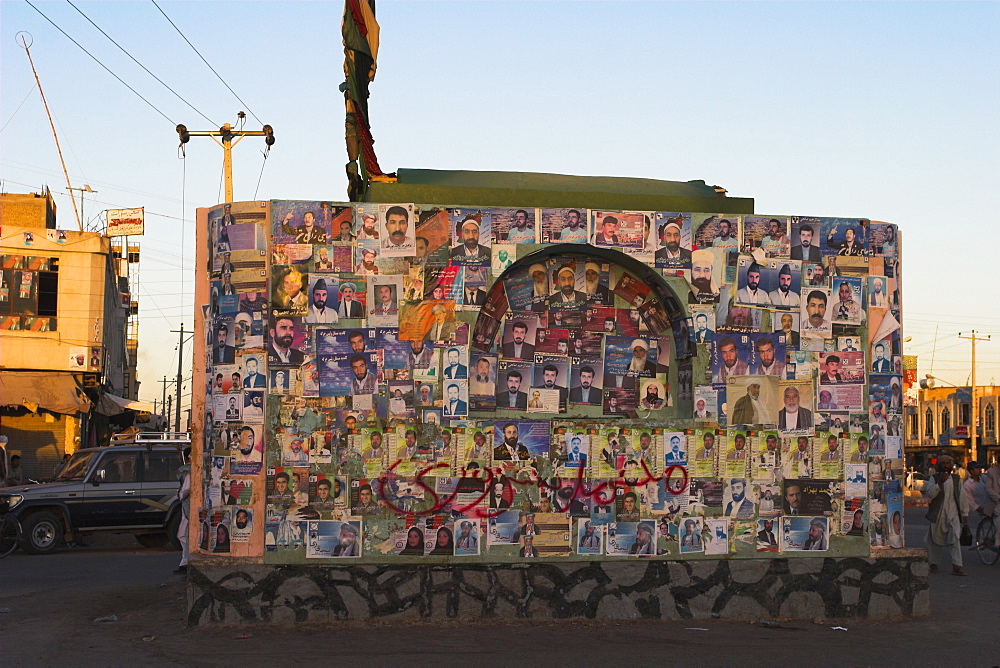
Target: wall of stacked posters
x,y
400,383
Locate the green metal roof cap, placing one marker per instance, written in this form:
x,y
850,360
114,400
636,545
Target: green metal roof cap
x,y
556,182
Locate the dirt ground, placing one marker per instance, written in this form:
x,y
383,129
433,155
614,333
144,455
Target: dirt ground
x,y
54,600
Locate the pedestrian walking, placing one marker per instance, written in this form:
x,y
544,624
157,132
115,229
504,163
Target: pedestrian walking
x,y
947,512
184,494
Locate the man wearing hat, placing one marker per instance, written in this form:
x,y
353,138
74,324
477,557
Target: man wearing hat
x,y
640,365
593,284
467,540
817,535
540,287
528,551
566,292
367,265
349,307
368,229
590,539
748,409
528,528
318,311
348,545
608,234
296,454
644,543
783,295
470,251
691,537
752,292
670,237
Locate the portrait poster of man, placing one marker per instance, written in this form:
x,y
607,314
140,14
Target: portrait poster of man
x,y
551,372
673,237
395,352
400,394
567,281
518,341
520,440
689,535
514,226
589,537
286,381
708,443
472,234
455,402
768,535
300,222
564,225
731,356
253,406
502,528
805,238
631,289
754,281
845,236
808,496
616,228
703,318
433,236
396,227
335,375
384,297
795,412
842,368
816,313
717,536
735,458
805,533
333,539
242,526
247,450
552,341
228,407
848,304
768,233
705,404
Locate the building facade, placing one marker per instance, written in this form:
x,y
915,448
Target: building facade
x,y
64,326
942,422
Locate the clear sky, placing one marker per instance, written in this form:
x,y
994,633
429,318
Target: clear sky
x,y
879,110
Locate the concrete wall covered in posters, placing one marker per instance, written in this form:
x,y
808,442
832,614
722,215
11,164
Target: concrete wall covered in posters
x,y
750,558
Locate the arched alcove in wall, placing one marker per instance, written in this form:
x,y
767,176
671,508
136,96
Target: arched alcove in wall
x,y
563,297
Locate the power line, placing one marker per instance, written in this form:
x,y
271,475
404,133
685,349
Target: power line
x,y
206,62
151,105
140,64
32,90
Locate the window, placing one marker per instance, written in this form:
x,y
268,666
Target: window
x,y
991,419
29,293
914,430
945,419
120,467
964,414
161,467
929,424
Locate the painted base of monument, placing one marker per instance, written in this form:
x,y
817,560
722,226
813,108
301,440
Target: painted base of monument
x,y
800,588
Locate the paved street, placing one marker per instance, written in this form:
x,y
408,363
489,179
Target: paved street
x,y
54,600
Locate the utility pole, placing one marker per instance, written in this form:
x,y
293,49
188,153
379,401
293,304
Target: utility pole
x,y
163,401
170,398
227,135
975,397
180,376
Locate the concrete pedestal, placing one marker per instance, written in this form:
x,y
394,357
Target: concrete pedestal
x,y
893,586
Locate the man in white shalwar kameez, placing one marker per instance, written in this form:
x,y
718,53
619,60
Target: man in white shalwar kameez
x,y
948,511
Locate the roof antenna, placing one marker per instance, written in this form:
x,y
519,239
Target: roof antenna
x,y
24,37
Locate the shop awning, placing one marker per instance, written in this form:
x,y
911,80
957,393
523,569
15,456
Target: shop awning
x,y
57,392
113,405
